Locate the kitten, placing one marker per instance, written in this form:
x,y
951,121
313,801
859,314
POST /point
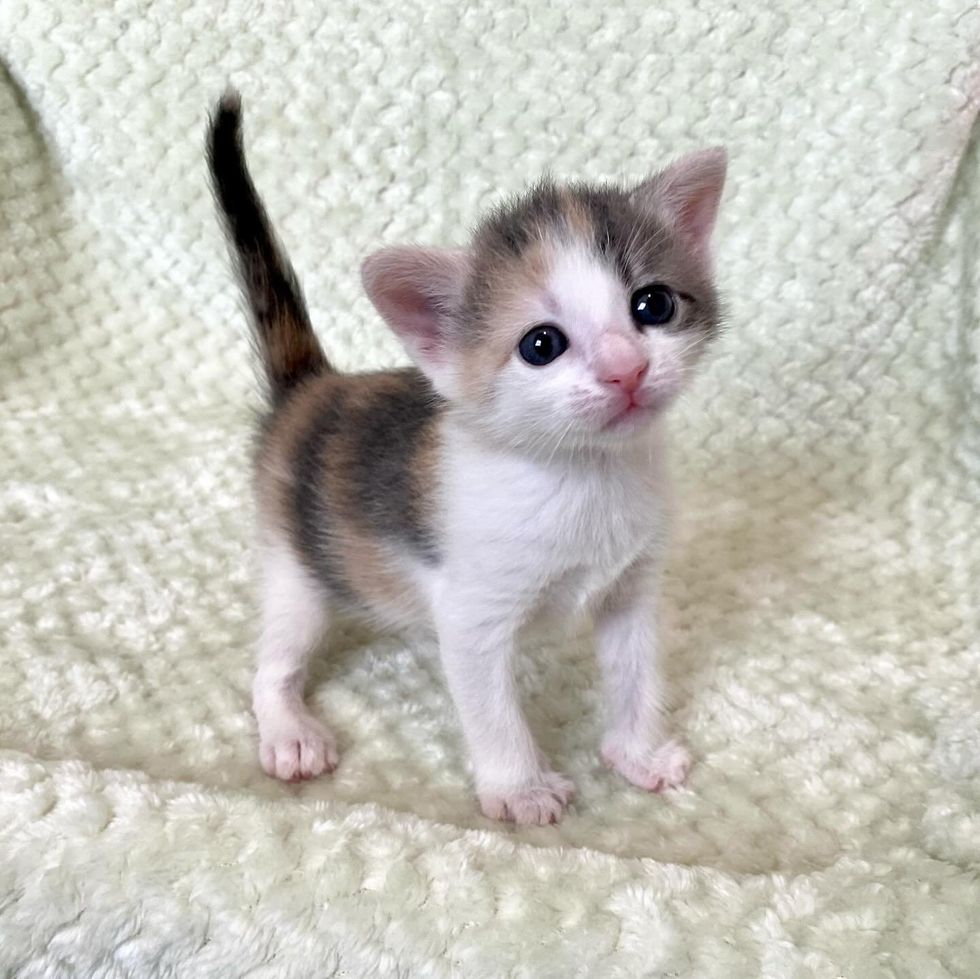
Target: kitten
x,y
516,471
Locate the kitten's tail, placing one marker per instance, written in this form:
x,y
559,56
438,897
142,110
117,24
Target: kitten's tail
x,y
281,323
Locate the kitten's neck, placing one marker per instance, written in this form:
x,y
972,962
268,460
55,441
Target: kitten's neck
x,y
644,450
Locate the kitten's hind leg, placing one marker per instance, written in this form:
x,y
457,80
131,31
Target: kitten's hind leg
x,y
293,744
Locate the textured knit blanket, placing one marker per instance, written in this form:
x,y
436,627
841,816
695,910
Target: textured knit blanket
x,y
822,609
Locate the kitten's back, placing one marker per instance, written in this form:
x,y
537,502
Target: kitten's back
x,y
347,472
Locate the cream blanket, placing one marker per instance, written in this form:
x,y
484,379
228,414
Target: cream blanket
x,y
823,625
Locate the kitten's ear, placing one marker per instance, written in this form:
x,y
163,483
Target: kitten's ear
x,y
687,195
417,290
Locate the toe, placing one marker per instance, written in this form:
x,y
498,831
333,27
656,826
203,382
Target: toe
x,y
288,761
538,804
664,768
540,809
298,750
562,788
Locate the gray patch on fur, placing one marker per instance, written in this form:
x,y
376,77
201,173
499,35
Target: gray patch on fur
x,y
391,430
378,435
513,225
310,506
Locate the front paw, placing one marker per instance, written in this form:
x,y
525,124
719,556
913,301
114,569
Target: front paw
x,y
296,746
655,769
537,803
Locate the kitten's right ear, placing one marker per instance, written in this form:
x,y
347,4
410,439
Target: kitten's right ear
x,y
417,291
687,195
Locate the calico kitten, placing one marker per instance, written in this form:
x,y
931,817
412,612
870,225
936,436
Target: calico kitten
x,y
515,472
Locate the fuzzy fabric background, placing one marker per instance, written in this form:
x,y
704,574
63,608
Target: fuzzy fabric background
x,y
824,640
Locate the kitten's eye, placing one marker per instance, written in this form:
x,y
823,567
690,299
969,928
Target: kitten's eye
x,y
542,345
653,305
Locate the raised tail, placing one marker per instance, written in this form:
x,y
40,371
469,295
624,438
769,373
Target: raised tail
x,y
280,321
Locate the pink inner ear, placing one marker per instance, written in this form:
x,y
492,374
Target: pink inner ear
x,y
694,185
405,300
689,193
699,211
415,314
414,289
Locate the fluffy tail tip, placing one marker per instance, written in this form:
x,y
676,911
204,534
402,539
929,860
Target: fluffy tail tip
x,y
226,119
230,103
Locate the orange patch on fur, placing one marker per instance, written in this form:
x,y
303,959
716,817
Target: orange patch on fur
x,y
577,217
511,280
370,572
274,477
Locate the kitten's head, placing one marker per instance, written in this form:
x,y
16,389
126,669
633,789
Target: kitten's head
x,y
576,313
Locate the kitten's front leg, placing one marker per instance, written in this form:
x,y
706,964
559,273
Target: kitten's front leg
x,y
635,742
477,648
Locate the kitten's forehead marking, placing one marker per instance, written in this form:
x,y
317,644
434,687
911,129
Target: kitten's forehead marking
x,y
548,212
584,288
599,220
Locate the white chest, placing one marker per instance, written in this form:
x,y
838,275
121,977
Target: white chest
x,y
552,534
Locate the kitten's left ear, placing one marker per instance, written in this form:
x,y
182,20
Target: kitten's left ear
x,y
418,291
687,195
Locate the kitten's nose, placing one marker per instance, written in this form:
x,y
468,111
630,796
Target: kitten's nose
x,y
621,363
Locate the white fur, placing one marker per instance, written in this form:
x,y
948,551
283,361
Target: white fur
x,y
524,534
577,523
626,642
585,292
293,744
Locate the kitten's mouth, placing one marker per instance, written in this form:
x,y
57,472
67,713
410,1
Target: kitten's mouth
x,y
629,415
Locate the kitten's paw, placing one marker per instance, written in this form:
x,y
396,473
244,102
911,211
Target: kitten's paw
x,y
537,804
661,768
297,747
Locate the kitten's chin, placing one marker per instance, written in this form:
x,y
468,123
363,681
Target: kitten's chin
x,y
628,419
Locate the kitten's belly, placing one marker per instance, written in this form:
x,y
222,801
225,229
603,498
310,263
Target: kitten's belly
x,y
558,585
563,600
520,540
576,591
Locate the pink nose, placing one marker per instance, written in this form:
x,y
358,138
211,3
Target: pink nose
x,y
628,377
621,363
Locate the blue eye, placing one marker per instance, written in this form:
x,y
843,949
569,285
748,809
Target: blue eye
x,y
542,345
653,305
